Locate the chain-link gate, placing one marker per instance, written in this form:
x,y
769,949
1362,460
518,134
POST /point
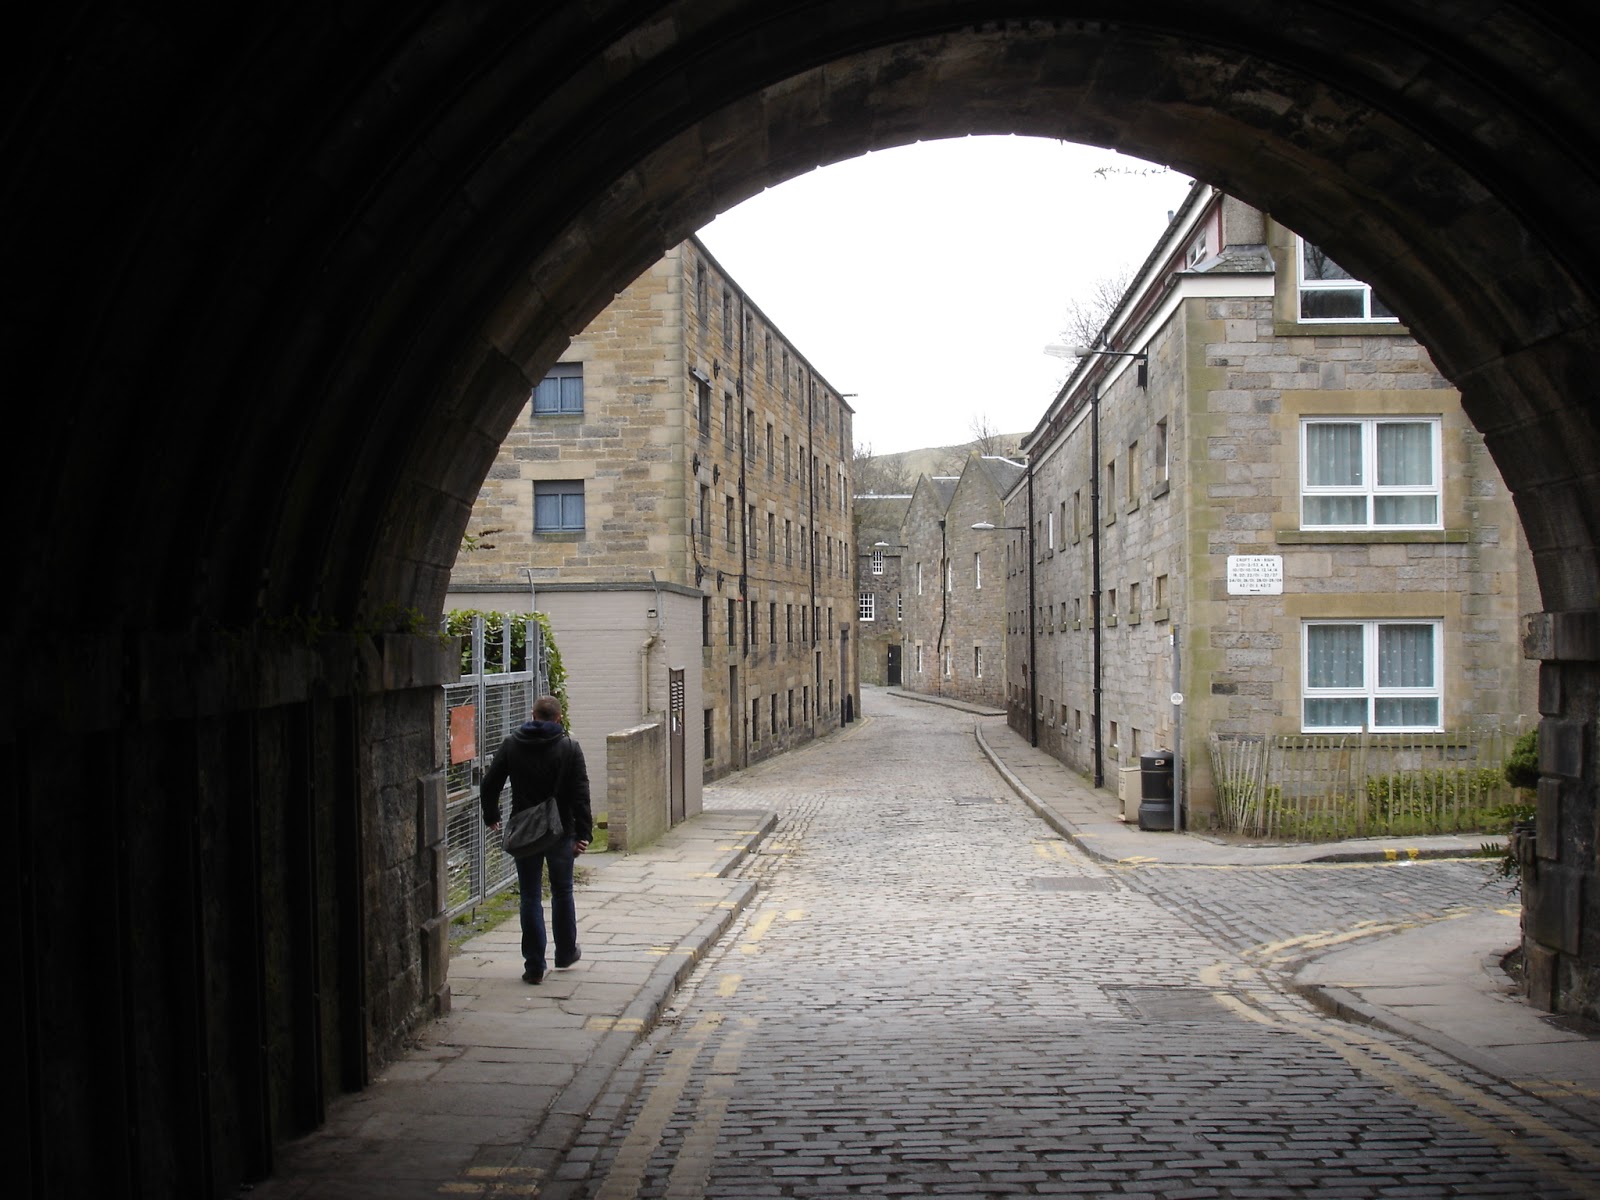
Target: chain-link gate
x,y
492,699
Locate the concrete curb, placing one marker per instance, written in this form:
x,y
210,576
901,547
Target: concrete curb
x,y
1066,830
977,710
1042,810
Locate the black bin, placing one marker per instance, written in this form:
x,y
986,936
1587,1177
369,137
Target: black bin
x,y
1155,790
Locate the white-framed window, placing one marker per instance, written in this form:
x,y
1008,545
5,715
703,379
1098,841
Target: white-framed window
x,y
1385,676
868,604
949,578
877,562
919,579
977,571
560,393
558,506
977,662
1330,293
1369,473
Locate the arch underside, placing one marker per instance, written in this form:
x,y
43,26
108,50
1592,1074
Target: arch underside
x,y
281,281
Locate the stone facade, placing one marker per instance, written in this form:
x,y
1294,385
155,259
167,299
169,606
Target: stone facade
x,y
956,620
880,588
703,456
1201,461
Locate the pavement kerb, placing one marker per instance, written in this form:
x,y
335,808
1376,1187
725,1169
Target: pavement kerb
x,y
569,1111
725,865
1345,1005
1067,830
1045,813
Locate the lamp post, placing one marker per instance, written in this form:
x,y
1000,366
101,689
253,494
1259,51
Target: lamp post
x,y
1033,660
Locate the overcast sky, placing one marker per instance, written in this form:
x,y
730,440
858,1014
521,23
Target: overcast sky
x,y
928,279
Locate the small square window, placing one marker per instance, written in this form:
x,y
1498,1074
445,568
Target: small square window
x,y
560,393
558,506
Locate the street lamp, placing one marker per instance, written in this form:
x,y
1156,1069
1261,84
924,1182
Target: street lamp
x,y
1033,659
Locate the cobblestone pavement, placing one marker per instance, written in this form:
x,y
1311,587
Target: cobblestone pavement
x,y
936,995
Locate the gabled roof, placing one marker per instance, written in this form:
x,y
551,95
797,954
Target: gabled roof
x,y
1002,472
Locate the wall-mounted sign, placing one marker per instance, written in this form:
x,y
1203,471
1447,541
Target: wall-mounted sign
x,y
463,733
1255,574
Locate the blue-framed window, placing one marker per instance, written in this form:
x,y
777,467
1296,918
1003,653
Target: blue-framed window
x,y
560,393
558,506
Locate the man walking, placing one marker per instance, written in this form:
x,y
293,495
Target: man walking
x,y
542,761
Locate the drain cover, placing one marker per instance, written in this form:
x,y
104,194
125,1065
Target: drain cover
x,y
1073,883
1169,1003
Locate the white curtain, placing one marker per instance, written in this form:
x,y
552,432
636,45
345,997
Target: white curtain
x,y
1333,459
1335,659
1405,459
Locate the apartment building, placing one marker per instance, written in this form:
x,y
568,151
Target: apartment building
x,y
676,496
1260,497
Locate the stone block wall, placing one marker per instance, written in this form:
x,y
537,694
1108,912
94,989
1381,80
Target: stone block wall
x,y
636,781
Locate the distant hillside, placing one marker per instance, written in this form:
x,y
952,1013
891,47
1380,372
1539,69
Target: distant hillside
x,y
897,472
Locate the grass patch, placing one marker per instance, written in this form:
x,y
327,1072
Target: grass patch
x,y
506,904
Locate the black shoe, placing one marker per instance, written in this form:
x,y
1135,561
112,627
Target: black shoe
x,y
563,963
532,976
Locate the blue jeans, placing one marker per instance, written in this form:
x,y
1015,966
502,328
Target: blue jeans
x,y
563,912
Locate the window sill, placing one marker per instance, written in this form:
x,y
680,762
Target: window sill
x,y
1111,621
1392,537
1294,327
1158,615
571,418
1161,489
1134,618
559,535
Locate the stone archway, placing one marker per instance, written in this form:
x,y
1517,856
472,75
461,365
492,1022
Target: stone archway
x,y
280,283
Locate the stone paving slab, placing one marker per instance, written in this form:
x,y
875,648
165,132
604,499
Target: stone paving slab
x,y
493,1092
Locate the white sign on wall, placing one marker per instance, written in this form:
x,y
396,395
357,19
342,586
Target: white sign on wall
x,y
1255,574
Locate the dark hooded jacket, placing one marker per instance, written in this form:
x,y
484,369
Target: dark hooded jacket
x,y
539,758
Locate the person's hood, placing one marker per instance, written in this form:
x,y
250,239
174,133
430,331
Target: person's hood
x,y
536,733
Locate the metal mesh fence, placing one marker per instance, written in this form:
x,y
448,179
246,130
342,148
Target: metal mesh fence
x,y
482,709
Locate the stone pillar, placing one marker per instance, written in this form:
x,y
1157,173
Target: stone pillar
x,y
1560,927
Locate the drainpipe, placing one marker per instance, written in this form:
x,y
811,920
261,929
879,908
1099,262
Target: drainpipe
x,y
644,653
1033,636
944,605
1094,595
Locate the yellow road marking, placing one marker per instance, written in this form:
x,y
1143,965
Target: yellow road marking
x,y
691,1169
728,985
601,1024
1367,865
1505,1131
495,1181
633,1156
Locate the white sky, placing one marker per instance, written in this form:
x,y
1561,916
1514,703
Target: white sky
x,y
928,279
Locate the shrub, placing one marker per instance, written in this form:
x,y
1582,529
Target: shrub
x,y
1522,766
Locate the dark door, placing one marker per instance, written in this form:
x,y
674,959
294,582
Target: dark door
x,y
894,666
675,746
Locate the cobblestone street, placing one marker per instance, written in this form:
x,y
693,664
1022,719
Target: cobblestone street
x,y
934,994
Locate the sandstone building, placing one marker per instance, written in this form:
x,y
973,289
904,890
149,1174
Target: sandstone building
x,y
1268,500
955,594
880,588
676,496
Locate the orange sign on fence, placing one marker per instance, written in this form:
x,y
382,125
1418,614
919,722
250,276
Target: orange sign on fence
x,y
464,733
